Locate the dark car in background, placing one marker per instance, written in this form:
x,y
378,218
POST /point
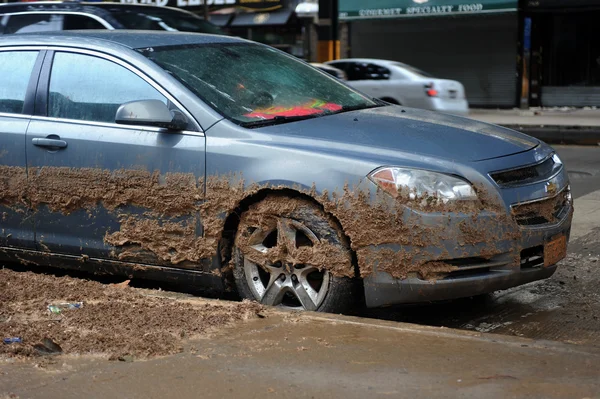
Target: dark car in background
x,y
56,16
232,165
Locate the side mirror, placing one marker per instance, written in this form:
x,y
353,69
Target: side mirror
x,y
150,113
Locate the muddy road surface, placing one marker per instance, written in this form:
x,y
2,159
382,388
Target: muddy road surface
x,y
45,314
565,307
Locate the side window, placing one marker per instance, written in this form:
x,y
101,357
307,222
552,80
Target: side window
x,y
89,88
356,71
81,22
15,71
376,72
33,23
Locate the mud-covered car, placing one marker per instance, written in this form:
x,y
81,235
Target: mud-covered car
x,y
231,165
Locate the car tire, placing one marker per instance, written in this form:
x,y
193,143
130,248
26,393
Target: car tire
x,y
263,282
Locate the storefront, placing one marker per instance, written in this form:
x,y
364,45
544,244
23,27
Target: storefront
x,y
562,53
474,43
279,28
272,22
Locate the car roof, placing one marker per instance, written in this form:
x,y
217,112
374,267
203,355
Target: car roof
x,y
73,5
126,38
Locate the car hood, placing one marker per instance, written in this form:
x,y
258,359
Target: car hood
x,y
413,131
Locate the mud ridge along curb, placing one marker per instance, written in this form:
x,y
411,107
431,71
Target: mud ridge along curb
x,y
555,134
454,334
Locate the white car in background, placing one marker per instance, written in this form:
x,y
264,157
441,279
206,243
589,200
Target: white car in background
x,y
333,71
402,84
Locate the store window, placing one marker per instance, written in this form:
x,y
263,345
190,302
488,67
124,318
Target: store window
x,y
571,54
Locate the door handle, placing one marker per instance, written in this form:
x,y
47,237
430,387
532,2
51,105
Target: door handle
x,y
49,143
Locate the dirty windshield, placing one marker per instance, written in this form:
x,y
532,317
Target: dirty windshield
x,y
255,85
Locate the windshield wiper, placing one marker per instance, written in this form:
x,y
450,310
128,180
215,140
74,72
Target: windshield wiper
x,y
348,108
279,119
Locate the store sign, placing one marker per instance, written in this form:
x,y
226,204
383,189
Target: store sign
x,y
355,9
255,4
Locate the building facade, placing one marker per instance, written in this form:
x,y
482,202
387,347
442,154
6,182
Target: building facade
x,y
474,43
507,53
561,53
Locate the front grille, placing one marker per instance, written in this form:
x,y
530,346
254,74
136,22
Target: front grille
x,y
542,212
526,175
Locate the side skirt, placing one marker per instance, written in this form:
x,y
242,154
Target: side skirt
x,y
209,281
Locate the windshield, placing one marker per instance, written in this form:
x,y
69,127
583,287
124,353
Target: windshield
x,y
162,19
249,83
414,70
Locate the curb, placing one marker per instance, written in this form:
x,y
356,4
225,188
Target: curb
x,y
451,334
581,135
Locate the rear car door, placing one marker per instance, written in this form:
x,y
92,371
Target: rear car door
x,y
18,76
106,190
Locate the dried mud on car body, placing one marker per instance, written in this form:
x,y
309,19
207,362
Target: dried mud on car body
x,y
113,321
368,220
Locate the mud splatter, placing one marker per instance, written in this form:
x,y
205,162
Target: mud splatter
x,y
65,189
171,242
545,211
13,184
320,253
369,220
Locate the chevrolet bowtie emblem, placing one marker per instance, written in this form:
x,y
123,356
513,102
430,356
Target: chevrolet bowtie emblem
x,y
551,188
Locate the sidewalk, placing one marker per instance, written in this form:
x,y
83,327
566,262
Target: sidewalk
x,y
287,355
553,125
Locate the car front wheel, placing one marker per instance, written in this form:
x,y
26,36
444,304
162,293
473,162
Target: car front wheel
x,y
267,268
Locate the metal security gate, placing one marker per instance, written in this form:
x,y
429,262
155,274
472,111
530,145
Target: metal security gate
x,y
480,51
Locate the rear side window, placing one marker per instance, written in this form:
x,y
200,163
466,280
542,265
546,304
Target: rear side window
x,y
356,71
26,23
376,72
89,88
15,71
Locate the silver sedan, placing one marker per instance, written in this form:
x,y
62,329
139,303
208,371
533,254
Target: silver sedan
x,y
399,83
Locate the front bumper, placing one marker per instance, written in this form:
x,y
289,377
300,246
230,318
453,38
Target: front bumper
x,y
517,262
383,290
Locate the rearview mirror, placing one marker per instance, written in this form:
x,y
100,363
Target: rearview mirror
x,y
150,113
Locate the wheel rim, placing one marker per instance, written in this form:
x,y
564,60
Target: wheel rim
x,y
283,280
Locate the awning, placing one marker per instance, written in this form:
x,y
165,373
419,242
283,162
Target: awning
x,y
358,9
306,9
220,19
279,17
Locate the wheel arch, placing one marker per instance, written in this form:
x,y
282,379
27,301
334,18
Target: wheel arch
x,y
232,220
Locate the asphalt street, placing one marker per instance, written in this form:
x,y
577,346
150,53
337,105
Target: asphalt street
x,y
565,307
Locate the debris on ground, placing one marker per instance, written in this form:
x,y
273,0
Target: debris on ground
x,y
115,323
57,308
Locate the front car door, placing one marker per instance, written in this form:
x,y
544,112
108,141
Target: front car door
x,y
17,86
105,190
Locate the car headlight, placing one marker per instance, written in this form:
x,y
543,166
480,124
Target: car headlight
x,y
418,184
556,159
